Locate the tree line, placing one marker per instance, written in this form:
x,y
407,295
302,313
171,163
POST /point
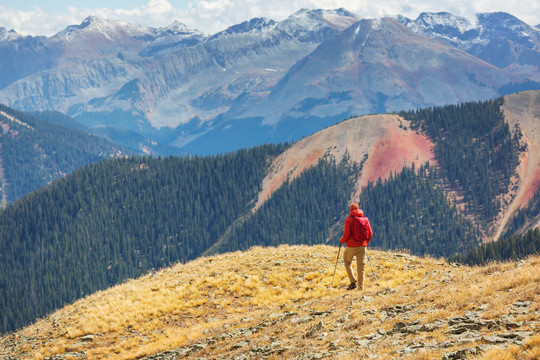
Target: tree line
x,y
407,211
510,248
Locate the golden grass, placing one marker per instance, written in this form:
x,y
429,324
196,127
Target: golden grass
x,y
189,303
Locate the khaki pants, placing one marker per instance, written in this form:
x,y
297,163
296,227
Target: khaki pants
x,y
348,255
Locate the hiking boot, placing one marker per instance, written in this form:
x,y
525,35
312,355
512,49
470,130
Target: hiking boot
x,y
352,286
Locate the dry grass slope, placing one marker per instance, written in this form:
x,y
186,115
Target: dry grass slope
x,y
280,303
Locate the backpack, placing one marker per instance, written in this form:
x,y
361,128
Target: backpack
x,y
361,230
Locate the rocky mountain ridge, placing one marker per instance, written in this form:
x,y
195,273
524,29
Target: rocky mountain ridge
x,y
498,38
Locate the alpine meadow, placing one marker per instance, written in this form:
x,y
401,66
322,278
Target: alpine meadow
x,y
168,194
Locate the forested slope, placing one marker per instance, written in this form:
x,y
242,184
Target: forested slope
x,y
35,152
509,248
115,220
476,149
408,211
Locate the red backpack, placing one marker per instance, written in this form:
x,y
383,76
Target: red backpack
x,y
361,230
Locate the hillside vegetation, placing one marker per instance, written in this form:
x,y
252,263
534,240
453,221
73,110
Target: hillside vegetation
x,y
509,248
476,148
116,220
35,152
284,303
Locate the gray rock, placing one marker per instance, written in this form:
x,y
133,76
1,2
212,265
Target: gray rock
x,y
333,346
509,324
462,328
493,339
483,307
302,319
373,336
523,304
320,313
412,348
239,345
240,357
314,330
398,309
361,343
445,344
314,356
88,338
271,349
322,336
460,354
389,290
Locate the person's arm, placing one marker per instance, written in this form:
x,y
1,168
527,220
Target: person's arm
x,y
346,232
370,232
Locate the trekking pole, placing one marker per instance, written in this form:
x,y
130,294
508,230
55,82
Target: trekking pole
x,y
336,265
372,270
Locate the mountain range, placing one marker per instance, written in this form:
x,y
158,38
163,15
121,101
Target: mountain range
x,y
175,90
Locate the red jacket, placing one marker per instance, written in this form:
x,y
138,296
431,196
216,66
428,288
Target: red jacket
x,y
347,231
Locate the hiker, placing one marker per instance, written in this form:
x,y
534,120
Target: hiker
x,y
356,244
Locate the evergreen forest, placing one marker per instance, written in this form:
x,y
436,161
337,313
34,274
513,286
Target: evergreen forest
x,y
409,211
32,155
475,147
301,211
510,248
115,220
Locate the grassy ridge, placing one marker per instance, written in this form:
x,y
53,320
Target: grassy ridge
x,y
283,299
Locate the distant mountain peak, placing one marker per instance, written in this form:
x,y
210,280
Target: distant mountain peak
x,y
253,25
305,23
109,27
338,18
8,35
432,20
177,28
464,32
90,20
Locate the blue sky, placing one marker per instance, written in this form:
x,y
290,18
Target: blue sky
x,y
47,17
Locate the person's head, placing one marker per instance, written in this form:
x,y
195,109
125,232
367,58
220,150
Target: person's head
x,y
354,206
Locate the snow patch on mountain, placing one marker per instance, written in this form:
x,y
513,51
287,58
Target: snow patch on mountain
x,y
9,35
339,19
111,29
465,32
